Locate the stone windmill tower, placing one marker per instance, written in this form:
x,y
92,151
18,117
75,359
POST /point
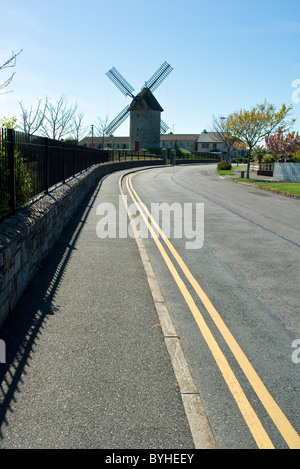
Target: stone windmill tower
x,y
146,124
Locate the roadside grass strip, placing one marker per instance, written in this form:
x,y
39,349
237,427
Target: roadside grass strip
x,y
289,188
225,172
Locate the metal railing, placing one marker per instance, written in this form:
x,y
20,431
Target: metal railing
x,y
31,165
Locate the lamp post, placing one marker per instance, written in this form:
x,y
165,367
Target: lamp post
x,y
227,155
92,135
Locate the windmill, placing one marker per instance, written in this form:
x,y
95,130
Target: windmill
x,y
146,124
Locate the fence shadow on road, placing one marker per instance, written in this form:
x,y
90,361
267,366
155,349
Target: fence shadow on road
x,y
24,327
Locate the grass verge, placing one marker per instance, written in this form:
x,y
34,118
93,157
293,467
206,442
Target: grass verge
x,y
282,187
225,172
247,180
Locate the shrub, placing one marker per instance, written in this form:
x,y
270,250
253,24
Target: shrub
x,y
224,165
182,153
268,158
296,157
240,159
23,181
259,153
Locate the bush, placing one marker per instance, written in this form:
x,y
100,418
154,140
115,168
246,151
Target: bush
x,y
154,151
240,159
182,153
268,158
224,165
23,181
259,153
296,157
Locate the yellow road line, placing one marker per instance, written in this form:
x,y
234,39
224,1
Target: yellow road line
x,y
258,432
280,420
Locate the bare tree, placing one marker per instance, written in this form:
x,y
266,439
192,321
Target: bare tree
x,y
58,118
101,125
10,63
78,130
32,118
222,133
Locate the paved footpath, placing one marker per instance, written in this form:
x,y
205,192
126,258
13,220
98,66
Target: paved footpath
x,y
87,366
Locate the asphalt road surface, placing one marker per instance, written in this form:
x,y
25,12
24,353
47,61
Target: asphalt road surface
x,y
234,301
87,362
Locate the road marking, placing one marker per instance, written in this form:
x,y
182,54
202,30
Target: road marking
x,y
199,426
280,420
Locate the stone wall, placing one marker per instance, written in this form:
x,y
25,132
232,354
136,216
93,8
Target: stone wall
x,y
28,236
145,129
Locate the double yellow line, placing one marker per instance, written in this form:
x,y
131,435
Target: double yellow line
x,y
255,426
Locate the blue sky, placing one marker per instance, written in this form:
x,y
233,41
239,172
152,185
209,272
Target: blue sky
x,y
226,55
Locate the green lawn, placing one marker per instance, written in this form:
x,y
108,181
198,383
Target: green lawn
x,y
248,180
291,188
225,172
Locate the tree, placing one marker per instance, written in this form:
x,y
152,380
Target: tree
x,y
101,125
32,118
9,63
58,118
223,134
283,144
251,127
22,176
77,130
11,123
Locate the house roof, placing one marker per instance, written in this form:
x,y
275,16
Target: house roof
x,y
179,137
87,140
209,137
163,137
145,99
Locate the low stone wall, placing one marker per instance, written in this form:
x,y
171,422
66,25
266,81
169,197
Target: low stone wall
x,y
28,236
287,171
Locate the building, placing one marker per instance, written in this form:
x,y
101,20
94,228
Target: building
x,y
145,113
206,142
211,142
185,141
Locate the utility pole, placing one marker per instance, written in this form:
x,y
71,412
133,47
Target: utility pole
x,y
92,135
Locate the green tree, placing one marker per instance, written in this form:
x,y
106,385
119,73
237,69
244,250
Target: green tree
x,y
251,127
23,179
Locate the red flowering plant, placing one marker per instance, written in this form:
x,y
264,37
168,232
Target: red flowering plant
x,y
283,145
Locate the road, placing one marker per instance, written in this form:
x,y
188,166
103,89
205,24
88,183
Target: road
x,y
234,302
87,363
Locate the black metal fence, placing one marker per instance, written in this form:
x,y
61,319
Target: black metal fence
x,y
30,165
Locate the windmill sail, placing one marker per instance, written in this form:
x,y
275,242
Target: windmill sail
x,y
164,70
141,123
117,121
120,82
163,127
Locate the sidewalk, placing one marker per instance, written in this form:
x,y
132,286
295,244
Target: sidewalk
x,y
87,366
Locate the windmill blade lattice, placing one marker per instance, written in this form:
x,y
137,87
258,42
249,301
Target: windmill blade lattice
x,y
120,82
126,89
163,127
164,70
117,121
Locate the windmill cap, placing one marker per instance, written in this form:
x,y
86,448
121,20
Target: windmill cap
x,y
145,100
